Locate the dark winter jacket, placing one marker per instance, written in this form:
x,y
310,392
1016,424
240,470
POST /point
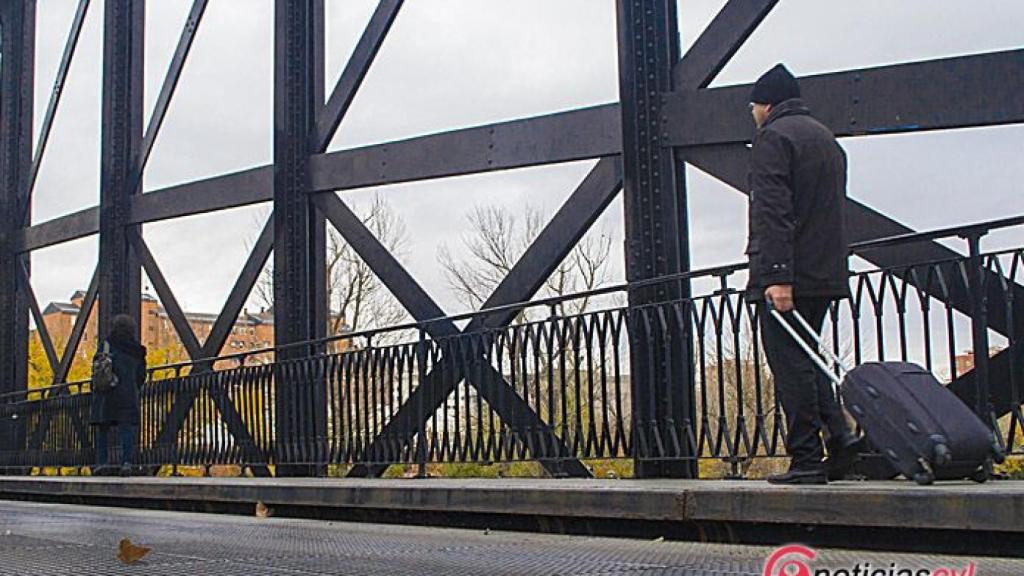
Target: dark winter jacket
x,y
121,404
797,197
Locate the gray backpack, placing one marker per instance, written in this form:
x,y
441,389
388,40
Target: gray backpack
x,y
103,377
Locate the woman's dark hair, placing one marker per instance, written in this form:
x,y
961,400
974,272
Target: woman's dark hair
x,y
123,327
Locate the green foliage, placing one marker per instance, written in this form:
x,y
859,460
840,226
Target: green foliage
x,y
609,468
165,355
1013,467
40,375
338,470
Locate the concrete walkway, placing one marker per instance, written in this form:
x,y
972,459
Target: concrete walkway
x,y
993,507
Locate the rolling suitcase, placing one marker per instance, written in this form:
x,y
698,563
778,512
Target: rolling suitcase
x,y
918,425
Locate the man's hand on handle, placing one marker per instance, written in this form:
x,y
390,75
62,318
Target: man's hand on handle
x,y
780,296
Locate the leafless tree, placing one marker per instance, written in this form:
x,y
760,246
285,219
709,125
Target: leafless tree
x,y
356,295
358,299
495,240
498,237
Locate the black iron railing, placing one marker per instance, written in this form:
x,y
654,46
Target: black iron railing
x,y
554,385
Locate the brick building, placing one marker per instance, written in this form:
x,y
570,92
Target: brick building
x,y
965,361
252,331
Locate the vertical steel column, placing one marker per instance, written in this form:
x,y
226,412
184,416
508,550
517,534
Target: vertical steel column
x,y
318,222
318,252
661,357
979,328
17,65
120,274
299,280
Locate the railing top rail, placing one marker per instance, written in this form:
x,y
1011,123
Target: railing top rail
x,y
47,391
962,231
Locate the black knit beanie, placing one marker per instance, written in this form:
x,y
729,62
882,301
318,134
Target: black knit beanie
x,y
774,86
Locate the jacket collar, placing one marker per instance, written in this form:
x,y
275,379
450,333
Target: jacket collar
x,y
791,107
127,345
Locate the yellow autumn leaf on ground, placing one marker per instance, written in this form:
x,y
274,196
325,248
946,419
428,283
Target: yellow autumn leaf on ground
x,y
130,553
263,511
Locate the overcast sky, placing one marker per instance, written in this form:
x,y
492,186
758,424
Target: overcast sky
x,y
456,63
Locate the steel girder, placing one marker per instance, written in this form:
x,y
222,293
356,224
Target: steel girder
x,y
163,101
299,254
904,105
120,276
17,34
58,91
657,241
330,116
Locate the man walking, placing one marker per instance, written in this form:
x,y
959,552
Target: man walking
x,y
798,260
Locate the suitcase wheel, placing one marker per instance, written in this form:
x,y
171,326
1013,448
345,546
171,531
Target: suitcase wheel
x,y
980,476
926,476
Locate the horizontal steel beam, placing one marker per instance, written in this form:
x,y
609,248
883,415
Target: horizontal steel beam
x,y
564,137
57,231
984,87
232,190
962,92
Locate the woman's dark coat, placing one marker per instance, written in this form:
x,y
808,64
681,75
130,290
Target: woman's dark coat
x,y
121,404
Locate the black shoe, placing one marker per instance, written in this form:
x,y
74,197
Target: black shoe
x,y
812,476
842,456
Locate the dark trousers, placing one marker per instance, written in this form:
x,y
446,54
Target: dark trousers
x,y
806,394
126,434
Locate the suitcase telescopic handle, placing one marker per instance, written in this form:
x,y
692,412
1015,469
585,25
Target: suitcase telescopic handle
x,y
815,356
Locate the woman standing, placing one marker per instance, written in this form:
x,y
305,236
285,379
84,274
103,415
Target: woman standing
x,y
119,406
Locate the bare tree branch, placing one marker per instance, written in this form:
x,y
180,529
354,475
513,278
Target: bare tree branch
x,y
358,300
